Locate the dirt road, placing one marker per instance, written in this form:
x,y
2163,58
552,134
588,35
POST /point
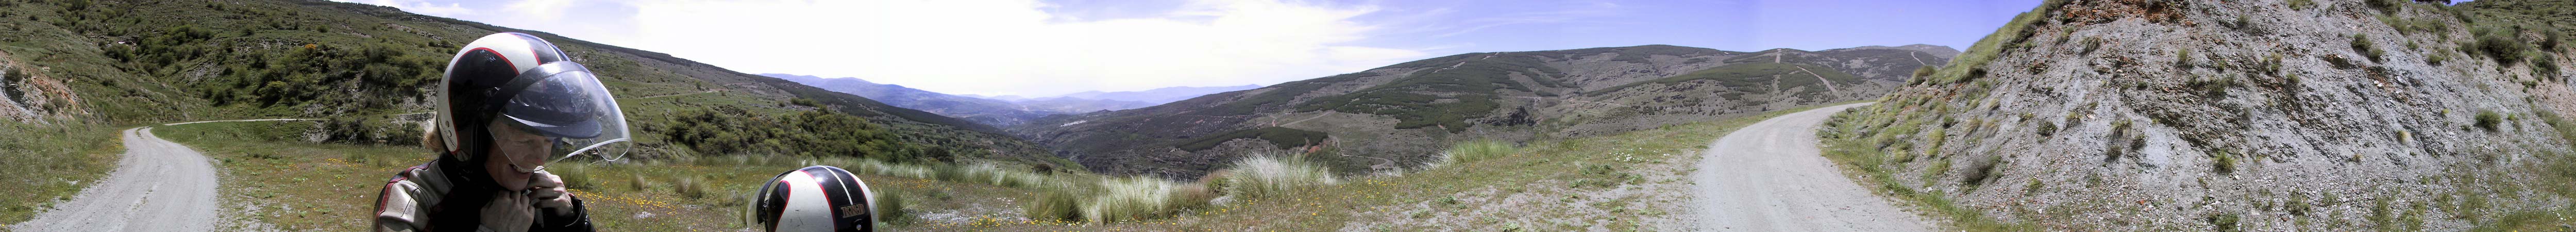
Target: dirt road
x,y
1770,177
158,186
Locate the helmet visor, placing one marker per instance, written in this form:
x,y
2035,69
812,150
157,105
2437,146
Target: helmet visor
x,y
565,103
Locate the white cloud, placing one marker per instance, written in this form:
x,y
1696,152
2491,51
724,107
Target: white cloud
x,y
450,10
539,10
1014,46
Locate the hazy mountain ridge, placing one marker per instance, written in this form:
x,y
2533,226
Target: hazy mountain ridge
x,y
1156,95
1405,112
986,111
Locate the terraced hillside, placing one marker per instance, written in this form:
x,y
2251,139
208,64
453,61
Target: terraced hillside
x,y
1398,116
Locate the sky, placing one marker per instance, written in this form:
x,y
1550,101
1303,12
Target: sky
x,y
1054,47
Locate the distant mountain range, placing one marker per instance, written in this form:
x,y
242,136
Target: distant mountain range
x,y
1003,110
1405,113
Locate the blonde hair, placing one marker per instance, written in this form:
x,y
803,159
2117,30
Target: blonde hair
x,y
429,137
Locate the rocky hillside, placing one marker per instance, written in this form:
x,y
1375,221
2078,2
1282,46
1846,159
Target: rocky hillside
x,y
2273,115
136,62
1401,115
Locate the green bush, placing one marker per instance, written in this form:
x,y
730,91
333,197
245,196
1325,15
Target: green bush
x,y
2488,120
2047,128
2302,4
733,130
2226,222
2182,58
2499,44
2385,6
1268,176
2361,43
2223,162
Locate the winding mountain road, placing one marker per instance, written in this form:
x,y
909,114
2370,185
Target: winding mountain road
x,y
158,186
1770,176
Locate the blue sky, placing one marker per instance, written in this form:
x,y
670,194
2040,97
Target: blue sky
x,y
1050,47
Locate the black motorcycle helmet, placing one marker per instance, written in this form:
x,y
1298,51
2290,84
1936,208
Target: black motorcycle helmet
x,y
530,84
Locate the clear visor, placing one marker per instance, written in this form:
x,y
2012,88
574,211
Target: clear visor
x,y
565,103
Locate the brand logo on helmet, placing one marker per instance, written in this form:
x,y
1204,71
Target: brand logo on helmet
x,y
854,210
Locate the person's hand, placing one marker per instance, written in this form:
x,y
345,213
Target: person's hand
x,y
509,212
548,192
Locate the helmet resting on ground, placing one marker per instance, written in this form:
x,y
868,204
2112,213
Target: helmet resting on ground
x,y
817,198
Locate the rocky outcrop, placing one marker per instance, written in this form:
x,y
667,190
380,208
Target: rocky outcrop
x,y
2232,115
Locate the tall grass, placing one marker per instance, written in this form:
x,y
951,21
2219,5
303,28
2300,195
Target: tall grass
x,y
1471,151
575,175
1054,205
689,186
889,205
1266,176
1127,199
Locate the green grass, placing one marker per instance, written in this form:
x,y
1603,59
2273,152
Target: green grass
x,y
268,164
1857,140
40,170
1971,64
1475,150
1270,176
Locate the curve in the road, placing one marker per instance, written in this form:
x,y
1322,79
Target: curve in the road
x,y
1769,176
158,186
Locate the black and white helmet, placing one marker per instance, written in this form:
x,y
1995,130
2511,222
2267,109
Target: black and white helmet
x,y
530,84
817,198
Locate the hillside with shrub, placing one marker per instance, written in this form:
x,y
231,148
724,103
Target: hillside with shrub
x,y
2288,115
1399,116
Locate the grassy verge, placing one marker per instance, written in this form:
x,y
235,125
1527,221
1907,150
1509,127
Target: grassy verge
x,y
270,175
37,171
1858,140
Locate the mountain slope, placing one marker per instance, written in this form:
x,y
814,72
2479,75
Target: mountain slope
x,y
119,62
1404,113
986,111
2265,115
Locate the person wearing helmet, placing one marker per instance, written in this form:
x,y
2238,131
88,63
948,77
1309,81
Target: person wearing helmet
x,y
815,199
510,103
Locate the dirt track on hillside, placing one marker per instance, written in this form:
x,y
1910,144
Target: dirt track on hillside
x,y
158,186
1769,176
